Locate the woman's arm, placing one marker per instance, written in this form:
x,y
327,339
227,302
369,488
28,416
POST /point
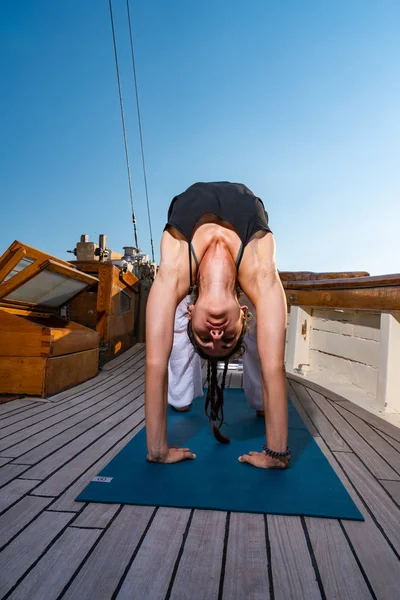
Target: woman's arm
x,y
268,297
163,299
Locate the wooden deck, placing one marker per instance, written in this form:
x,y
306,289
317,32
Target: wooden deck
x,y
54,547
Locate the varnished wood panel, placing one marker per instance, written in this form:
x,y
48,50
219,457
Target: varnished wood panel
x,y
22,375
65,371
385,298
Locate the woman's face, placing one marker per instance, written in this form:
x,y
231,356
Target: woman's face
x,y
217,327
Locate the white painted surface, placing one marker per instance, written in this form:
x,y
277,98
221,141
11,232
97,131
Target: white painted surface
x,y
388,385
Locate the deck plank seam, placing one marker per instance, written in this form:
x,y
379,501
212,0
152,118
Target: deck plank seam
x,y
41,420
388,492
313,422
336,399
179,556
48,547
48,407
76,395
84,527
362,570
4,425
14,411
65,419
367,508
378,525
354,451
12,538
108,375
56,498
132,558
77,437
373,427
18,476
224,556
122,363
313,558
269,559
388,438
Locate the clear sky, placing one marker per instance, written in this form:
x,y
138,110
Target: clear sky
x,y
298,99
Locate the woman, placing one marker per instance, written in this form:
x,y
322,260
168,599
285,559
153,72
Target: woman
x,y
217,235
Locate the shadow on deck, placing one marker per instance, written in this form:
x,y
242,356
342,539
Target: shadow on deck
x,y
54,547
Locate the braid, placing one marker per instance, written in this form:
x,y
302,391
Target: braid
x,y
214,406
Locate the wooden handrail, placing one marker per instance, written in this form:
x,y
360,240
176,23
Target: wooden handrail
x,y
311,276
352,283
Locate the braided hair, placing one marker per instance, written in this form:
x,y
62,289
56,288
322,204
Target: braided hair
x,y
214,405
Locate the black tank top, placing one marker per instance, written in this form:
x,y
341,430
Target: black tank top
x,y
231,202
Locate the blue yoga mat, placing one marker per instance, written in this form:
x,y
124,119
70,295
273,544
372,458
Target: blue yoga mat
x,y
216,479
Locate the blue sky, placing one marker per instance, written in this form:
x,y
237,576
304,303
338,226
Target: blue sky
x,y
299,100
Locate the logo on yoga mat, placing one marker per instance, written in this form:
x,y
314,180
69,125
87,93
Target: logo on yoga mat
x,y
102,479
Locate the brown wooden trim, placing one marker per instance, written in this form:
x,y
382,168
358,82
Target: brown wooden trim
x,y
11,259
381,299
7,287
130,280
26,312
311,276
39,255
344,283
68,271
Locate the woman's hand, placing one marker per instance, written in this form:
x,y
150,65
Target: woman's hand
x,y
263,461
173,454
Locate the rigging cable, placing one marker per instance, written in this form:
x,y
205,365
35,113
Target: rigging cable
x,y
140,131
124,128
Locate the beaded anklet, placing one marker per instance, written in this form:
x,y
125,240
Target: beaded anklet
x,y
274,454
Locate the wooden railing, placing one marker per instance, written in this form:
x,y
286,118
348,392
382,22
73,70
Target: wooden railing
x,y
344,331
361,292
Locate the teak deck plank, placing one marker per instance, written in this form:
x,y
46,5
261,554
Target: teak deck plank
x,y
379,562
293,572
112,551
150,574
67,474
49,577
25,549
380,468
19,515
333,555
246,567
106,565
198,574
16,444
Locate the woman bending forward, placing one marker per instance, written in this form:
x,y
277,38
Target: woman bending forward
x,y
216,241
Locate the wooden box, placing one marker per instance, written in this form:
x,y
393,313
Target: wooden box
x,y
110,307
41,354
